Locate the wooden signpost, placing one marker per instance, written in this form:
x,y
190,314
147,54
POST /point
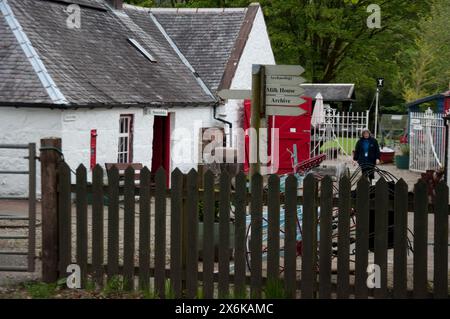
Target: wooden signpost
x,y
275,91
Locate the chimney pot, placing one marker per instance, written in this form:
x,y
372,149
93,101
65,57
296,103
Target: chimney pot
x,y
116,4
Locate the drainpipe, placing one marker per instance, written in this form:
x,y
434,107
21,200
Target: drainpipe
x,y
230,125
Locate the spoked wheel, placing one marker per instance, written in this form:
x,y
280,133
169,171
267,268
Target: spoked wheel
x,y
264,248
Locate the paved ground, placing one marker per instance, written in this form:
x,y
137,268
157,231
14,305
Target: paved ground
x,y
17,208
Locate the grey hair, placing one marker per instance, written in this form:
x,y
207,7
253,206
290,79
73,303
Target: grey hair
x,y
366,130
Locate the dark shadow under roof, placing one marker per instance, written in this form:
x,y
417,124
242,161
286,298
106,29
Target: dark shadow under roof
x,y
205,37
331,92
94,65
428,99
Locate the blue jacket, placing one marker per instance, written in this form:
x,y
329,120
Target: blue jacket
x,y
373,154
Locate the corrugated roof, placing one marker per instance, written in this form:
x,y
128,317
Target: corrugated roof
x,y
331,92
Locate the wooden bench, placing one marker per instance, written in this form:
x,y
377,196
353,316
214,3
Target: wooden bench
x,y
123,166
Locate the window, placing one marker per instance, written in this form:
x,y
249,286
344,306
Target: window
x,y
125,153
141,49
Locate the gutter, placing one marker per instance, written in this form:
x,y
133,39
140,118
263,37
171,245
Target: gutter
x,y
104,105
230,125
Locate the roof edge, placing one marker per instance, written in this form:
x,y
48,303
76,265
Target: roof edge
x,y
32,56
239,46
107,105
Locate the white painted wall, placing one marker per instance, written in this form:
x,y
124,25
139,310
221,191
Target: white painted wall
x,y
23,126
76,130
185,135
258,50
20,125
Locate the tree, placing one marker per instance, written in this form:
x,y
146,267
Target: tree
x,y
429,70
331,39
322,35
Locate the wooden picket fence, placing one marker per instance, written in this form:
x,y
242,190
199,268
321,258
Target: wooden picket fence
x,y
159,257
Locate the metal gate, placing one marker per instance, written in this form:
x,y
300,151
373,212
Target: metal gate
x,y
9,220
337,135
427,141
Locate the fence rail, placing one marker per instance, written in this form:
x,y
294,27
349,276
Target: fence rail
x,y
162,239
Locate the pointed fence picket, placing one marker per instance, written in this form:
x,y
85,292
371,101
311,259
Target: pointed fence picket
x,y
261,238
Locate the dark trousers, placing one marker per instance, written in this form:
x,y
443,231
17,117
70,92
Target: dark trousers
x,y
368,170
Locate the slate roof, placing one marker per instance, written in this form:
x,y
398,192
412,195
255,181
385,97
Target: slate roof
x,y
205,37
18,80
331,92
93,65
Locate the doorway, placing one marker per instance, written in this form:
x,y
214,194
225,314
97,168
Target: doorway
x,y
161,144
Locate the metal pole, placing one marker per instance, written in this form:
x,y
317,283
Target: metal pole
x,y
376,112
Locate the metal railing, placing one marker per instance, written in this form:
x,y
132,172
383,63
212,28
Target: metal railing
x,y
427,141
31,237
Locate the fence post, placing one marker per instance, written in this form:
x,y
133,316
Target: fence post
x,y
49,156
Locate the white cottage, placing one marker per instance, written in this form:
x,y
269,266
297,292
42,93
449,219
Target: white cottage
x,y
140,84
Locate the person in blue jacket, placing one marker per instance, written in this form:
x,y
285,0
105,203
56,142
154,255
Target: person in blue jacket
x,y
367,153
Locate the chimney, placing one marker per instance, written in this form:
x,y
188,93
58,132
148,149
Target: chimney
x,y
115,4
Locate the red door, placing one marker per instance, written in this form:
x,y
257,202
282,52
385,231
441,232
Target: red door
x,y
161,144
293,130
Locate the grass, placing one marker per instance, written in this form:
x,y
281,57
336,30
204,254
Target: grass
x,y
113,286
40,290
274,289
348,144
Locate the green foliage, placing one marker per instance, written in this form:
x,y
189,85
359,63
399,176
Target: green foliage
x,y
404,148
41,290
274,289
114,285
170,293
142,3
330,38
240,294
429,69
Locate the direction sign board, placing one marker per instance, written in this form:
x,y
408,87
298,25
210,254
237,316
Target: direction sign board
x,y
290,80
235,94
284,110
277,89
284,100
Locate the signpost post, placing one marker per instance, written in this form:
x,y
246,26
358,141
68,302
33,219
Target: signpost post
x,y
275,91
